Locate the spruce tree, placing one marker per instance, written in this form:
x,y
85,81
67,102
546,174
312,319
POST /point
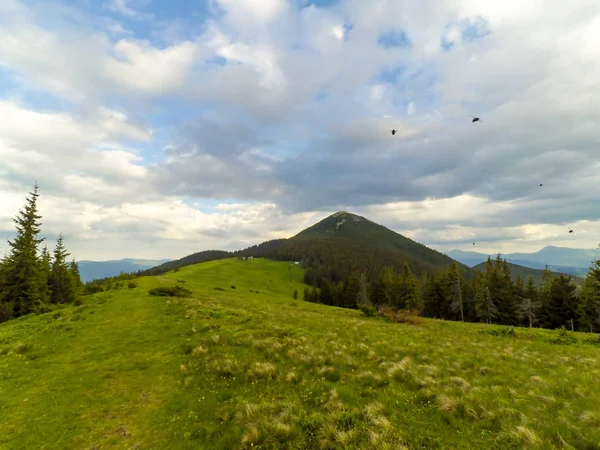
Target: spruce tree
x,y
562,306
23,278
77,283
61,280
46,269
486,308
589,308
410,296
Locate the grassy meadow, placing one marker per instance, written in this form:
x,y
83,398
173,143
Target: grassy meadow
x,y
241,364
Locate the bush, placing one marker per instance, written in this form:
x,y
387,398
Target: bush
x,y
504,331
218,289
367,310
401,316
173,291
90,289
232,287
296,294
131,285
562,336
6,312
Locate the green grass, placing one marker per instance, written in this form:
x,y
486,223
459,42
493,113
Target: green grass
x,y
252,368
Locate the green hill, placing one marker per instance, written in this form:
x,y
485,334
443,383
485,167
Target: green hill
x,y
344,239
252,368
525,272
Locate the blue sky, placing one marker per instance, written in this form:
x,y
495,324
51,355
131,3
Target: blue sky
x,y
222,123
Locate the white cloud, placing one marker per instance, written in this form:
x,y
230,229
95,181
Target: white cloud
x,y
440,179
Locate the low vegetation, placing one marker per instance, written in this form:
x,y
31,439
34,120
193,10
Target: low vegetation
x,y
253,368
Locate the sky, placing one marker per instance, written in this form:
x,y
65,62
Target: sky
x,y
156,129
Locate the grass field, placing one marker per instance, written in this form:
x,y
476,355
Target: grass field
x,y
251,367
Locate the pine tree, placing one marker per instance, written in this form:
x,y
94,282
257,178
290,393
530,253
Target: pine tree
x,y
22,275
434,301
409,295
61,279
486,309
527,311
76,275
563,304
544,295
589,308
362,297
456,304
46,269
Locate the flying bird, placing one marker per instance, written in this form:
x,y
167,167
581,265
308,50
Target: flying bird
x,y
570,231
473,243
393,132
540,184
477,119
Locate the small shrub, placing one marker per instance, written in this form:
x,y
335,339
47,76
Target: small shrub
x,y
367,310
401,316
90,289
6,312
562,337
295,294
78,301
131,285
218,289
173,291
181,281
504,331
232,286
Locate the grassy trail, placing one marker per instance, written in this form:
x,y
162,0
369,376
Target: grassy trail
x,y
93,377
241,364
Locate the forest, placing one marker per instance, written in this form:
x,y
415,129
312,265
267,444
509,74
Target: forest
x,y
490,296
31,279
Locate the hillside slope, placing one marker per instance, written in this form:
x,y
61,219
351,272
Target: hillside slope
x,y
524,272
237,368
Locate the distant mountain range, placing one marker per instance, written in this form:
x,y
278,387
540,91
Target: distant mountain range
x,y
93,270
524,273
572,261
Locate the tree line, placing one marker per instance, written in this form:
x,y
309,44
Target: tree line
x,y
490,296
32,279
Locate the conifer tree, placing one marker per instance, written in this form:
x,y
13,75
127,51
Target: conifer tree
x,y
456,304
362,297
77,283
22,275
562,306
527,311
61,280
46,269
410,296
486,309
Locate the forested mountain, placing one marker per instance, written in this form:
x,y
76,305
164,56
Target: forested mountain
x,y
537,275
335,246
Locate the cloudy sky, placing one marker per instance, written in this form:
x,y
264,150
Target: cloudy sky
x,y
157,128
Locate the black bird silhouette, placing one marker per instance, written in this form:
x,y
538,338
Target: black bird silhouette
x,y
393,132
540,184
570,231
473,243
476,119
